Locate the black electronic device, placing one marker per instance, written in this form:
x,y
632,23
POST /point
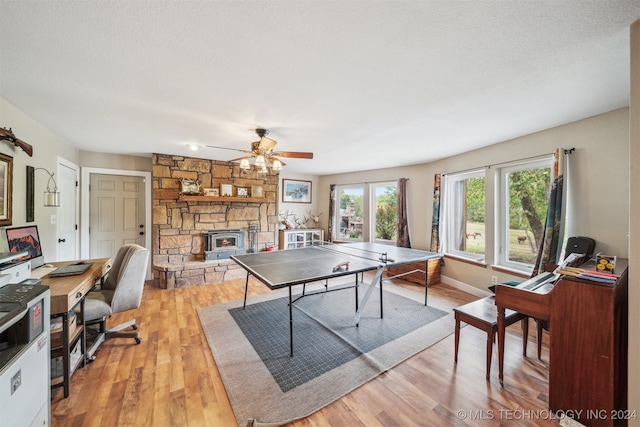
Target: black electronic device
x,y
580,245
26,239
71,269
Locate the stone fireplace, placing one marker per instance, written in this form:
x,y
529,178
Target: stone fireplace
x,y
180,222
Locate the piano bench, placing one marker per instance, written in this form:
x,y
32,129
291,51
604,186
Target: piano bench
x,y
483,315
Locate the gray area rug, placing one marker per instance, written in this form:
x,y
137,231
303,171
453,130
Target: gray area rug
x,y
268,387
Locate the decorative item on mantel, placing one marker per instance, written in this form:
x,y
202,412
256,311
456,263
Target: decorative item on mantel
x,y
190,187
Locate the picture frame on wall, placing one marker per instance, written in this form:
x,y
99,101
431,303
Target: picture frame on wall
x,y
295,191
212,192
6,189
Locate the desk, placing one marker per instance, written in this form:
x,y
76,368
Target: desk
x,y
66,294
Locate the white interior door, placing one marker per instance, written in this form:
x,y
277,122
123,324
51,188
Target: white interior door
x,y
67,220
117,213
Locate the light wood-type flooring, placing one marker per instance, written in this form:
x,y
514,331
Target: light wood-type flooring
x,y
171,378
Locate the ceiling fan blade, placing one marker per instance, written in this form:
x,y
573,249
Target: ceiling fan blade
x,y
227,148
266,144
240,158
294,154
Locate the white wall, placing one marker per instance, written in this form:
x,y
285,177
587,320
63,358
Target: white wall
x,y
599,172
634,215
47,149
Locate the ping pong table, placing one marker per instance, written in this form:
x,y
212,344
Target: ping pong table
x,y
288,268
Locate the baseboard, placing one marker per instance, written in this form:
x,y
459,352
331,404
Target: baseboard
x,y
464,287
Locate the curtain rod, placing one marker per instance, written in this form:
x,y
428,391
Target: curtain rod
x,y
371,182
567,151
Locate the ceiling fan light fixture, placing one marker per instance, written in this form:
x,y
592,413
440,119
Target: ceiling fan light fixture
x,y
244,164
260,162
277,165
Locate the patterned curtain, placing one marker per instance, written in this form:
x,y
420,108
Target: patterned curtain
x,y
435,219
402,239
553,236
332,208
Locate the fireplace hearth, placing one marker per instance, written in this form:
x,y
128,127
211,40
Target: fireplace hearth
x,y
221,244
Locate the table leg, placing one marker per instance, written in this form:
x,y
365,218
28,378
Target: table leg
x,y
290,322
246,289
365,298
426,280
380,282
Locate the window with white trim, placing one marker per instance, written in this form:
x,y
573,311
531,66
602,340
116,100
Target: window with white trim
x,y
464,203
523,195
366,212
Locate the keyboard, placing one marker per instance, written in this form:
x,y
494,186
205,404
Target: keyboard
x,y
536,282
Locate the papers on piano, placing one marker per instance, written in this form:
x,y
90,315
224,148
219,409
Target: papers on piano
x,y
538,281
568,269
596,276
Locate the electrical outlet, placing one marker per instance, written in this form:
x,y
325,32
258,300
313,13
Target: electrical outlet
x,y
494,280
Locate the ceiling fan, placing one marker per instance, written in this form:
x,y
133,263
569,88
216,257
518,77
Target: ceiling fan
x,y
262,153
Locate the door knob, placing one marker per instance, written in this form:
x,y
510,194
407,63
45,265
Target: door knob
x,y
142,233
61,240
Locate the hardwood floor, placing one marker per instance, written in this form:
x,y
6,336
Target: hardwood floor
x,y
171,379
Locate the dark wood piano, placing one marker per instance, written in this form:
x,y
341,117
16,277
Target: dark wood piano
x,y
588,324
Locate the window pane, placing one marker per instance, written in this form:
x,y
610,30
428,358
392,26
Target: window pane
x,y
350,213
475,215
527,205
385,211
465,232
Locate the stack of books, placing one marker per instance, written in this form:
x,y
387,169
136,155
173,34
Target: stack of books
x,y
596,276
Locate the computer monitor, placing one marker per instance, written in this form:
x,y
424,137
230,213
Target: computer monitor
x,y
26,239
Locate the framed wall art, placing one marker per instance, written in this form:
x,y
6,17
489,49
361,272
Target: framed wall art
x,y
242,191
6,189
211,192
294,191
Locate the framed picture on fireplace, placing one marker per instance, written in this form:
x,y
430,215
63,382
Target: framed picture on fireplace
x,y
226,190
211,192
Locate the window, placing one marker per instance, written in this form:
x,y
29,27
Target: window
x,y
464,215
508,231
350,213
366,212
384,209
522,208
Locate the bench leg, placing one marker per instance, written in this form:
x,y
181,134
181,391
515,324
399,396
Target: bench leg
x,y
490,337
457,340
525,335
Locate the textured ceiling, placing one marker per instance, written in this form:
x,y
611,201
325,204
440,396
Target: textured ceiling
x,y
362,84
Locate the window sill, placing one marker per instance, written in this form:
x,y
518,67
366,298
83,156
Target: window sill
x,y
511,271
466,260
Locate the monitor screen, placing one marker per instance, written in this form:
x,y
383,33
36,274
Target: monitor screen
x,y
26,239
